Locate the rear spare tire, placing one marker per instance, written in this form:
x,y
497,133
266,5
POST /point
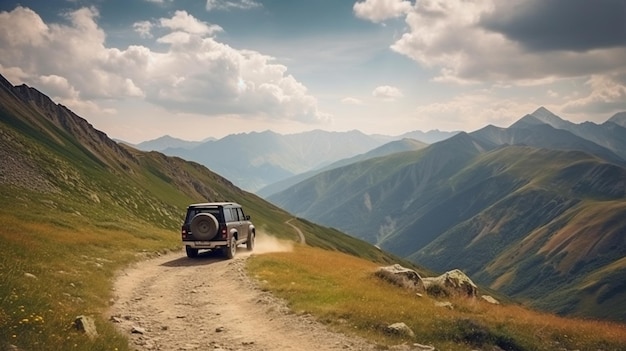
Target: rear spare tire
x,y
204,226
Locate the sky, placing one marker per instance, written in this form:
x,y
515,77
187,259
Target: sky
x,y
194,69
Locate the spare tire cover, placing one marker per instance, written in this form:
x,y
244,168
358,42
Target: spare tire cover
x,y
204,226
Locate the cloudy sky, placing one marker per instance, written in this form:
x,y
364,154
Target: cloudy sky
x,y
192,69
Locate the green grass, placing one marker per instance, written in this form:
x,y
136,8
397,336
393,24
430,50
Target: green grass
x,y
342,291
50,273
60,249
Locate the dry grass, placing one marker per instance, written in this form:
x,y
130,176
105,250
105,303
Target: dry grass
x,y
49,274
341,290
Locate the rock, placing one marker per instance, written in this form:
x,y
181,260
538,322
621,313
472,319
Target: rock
x,y
412,347
401,276
490,299
137,330
452,283
445,304
86,325
400,329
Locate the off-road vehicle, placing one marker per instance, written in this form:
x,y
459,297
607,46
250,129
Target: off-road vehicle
x,y
217,225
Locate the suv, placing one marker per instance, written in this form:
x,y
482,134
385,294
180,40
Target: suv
x,y
215,225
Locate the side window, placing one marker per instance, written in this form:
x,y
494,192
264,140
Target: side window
x,y
241,215
228,216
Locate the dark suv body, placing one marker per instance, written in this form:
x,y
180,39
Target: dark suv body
x,y
214,225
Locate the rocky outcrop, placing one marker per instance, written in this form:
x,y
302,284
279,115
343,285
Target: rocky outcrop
x,y
401,276
452,283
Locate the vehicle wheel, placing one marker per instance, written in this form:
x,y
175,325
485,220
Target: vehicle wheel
x,y
191,252
231,250
250,242
204,226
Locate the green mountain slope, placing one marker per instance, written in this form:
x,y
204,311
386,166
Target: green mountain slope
x,y
466,201
545,232
384,150
361,198
610,134
75,207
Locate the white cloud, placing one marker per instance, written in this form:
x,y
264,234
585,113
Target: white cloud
x,y
226,5
15,75
57,87
192,73
143,28
182,21
381,10
451,38
75,52
474,110
352,101
387,92
608,95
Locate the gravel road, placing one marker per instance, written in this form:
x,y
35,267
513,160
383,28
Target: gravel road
x,y
175,303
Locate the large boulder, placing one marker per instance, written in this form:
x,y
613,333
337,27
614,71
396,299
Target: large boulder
x,y
400,329
401,276
452,283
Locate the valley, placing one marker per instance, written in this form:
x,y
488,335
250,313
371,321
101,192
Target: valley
x,y
490,202
539,223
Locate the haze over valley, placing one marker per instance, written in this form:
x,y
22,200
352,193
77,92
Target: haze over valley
x,y
504,204
531,211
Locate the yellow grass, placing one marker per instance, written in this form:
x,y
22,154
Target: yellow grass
x,y
341,290
49,274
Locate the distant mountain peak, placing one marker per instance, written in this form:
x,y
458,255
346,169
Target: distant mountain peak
x,y
542,111
619,119
542,116
165,142
545,115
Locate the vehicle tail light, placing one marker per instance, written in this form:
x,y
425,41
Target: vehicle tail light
x,y
224,236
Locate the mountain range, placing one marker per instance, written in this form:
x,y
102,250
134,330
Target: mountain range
x,y
257,160
536,210
76,208
540,218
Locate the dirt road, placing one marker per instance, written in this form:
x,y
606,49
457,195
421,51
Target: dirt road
x,y
175,303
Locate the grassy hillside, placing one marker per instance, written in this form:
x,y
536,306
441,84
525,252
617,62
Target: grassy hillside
x,y
376,198
467,203
342,291
75,207
386,149
543,225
